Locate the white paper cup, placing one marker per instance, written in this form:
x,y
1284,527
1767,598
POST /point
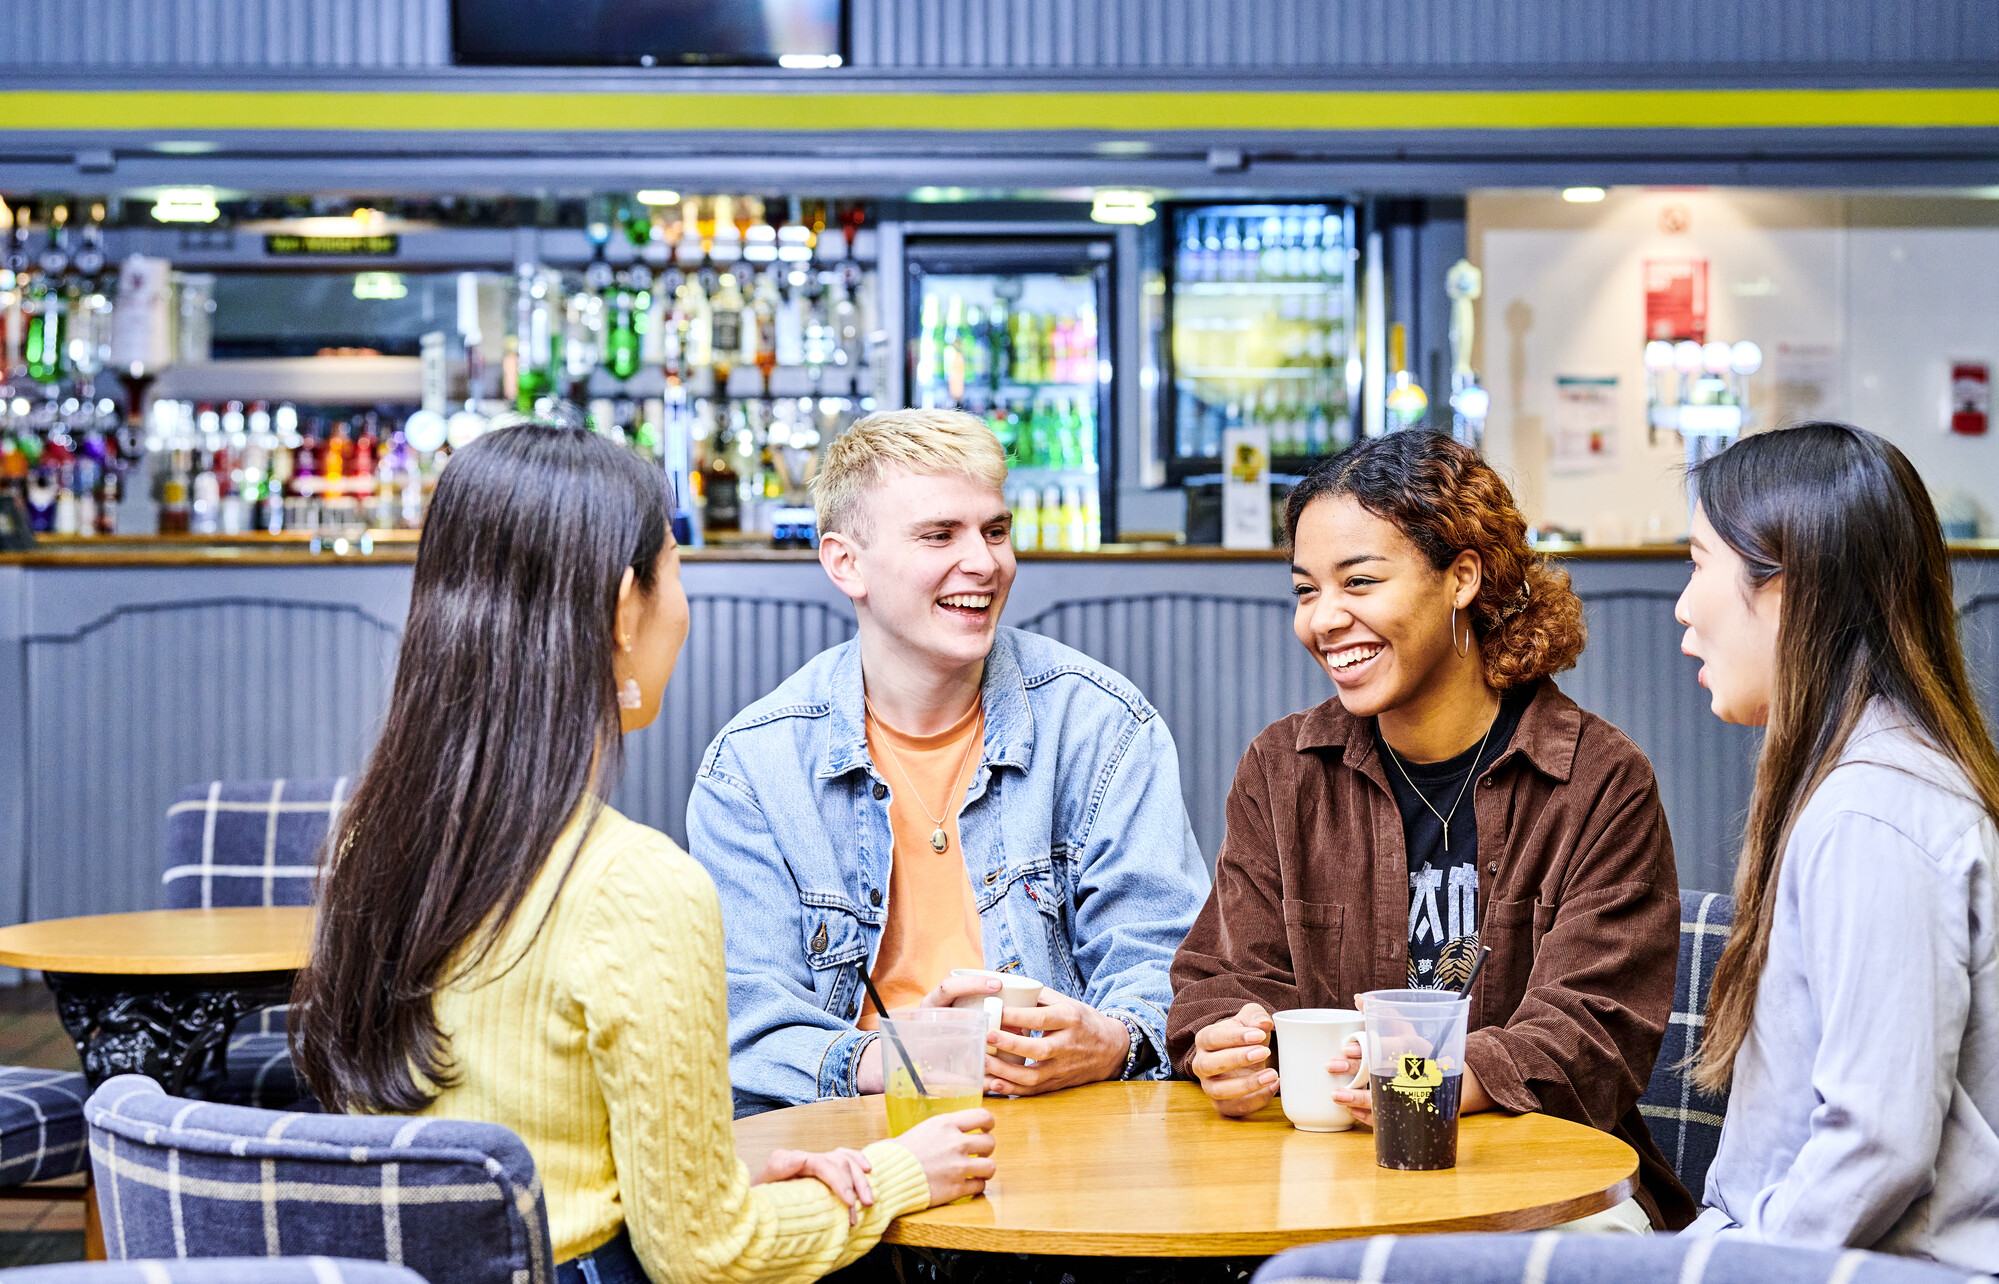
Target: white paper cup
x,y
1015,992
1307,1038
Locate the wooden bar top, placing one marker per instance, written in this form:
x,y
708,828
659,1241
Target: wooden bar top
x,y
398,548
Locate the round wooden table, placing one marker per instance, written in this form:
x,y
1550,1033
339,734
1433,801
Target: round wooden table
x,y
1150,1170
156,992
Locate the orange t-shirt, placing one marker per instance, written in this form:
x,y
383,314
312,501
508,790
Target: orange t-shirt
x,y
933,916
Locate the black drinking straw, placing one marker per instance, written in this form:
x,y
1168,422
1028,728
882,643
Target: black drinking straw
x,y
1463,990
888,1026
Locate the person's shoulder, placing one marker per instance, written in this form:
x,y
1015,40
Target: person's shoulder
x,y
1889,776
1604,745
621,858
1050,667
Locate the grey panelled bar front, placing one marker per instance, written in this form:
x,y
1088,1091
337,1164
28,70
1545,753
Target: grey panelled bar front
x,y
120,684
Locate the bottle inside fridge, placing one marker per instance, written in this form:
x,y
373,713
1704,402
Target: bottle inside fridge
x,y
1261,320
1025,349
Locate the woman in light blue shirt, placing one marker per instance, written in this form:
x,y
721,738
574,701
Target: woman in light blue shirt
x,y
1854,1017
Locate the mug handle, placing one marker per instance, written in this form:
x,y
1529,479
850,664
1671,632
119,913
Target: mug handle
x,y
1360,1075
993,1006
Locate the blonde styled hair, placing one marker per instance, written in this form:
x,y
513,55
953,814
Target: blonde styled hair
x,y
925,442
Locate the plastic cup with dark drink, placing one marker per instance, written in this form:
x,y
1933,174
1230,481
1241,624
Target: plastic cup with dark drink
x,y
1415,1053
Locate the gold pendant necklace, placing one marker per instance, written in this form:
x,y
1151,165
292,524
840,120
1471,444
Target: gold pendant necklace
x,y
939,840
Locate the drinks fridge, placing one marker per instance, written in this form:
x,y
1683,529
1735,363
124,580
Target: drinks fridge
x,y
1261,321
1016,330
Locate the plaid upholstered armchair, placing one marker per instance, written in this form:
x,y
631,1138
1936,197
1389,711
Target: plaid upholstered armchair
x,y
457,1202
1685,1121
219,1270
1556,1258
251,842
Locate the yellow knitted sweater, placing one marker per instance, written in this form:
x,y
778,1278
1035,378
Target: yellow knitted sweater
x,y
606,1048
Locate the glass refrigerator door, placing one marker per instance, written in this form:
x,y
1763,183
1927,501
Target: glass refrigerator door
x,y
1261,320
1025,350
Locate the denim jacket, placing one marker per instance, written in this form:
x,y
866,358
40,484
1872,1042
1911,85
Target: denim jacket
x,y
1084,866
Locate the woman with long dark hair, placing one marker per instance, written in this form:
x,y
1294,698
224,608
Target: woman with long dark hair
x,y
1854,1015
1448,798
496,943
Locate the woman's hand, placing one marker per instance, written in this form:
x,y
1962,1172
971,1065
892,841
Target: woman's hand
x,y
1231,1061
955,1151
842,1171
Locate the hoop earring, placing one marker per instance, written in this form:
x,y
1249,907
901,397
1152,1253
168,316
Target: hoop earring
x,y
1466,648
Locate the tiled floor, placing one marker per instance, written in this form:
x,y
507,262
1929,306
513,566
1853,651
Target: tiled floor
x,y
34,1230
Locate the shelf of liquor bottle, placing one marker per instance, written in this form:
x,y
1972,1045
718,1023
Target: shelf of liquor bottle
x,y
1241,288
311,380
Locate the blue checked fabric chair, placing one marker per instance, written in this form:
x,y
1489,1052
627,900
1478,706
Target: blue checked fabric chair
x,y
458,1203
219,1270
251,842
1685,1121
41,1131
1556,1258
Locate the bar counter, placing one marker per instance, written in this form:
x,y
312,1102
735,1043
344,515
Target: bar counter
x,y
140,665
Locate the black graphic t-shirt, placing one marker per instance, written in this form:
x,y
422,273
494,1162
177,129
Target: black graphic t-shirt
x,y
1443,879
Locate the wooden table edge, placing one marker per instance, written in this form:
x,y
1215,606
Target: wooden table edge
x,y
206,965
913,1231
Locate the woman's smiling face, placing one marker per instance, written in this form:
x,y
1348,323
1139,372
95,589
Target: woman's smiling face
x,y
1370,608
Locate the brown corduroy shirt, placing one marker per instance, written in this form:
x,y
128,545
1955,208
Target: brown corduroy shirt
x,y
1577,896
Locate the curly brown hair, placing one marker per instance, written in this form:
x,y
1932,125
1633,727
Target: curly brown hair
x,y
1446,499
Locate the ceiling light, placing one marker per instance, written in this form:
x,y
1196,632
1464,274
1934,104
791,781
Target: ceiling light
x,y
1122,207
186,205
380,285
185,147
1582,195
808,62
658,196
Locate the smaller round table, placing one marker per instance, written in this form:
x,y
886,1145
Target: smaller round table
x,y
1150,1170
155,992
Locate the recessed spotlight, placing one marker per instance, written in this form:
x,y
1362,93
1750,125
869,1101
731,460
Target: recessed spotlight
x,y
1122,207
185,205
1582,195
658,196
808,62
185,147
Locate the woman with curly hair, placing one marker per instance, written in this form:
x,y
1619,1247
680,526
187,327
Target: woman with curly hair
x,y
1448,798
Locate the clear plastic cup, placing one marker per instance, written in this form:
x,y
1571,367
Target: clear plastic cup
x,y
1415,1053
933,1062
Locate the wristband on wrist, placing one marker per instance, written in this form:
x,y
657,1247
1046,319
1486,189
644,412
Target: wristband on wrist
x,y
1138,1043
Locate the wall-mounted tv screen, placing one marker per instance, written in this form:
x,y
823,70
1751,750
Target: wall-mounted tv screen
x,y
646,33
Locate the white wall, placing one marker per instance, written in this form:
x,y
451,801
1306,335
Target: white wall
x,y
1886,289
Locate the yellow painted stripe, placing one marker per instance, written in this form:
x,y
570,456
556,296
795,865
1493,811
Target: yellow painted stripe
x,y
182,110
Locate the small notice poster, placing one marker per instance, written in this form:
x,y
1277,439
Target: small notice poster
x,y
1676,299
1585,438
1246,488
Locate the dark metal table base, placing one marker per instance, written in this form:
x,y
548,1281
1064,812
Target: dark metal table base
x,y
170,1028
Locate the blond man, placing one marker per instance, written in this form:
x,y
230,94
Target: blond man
x,y
941,793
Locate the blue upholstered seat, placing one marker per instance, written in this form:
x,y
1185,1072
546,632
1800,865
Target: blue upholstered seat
x,y
41,1124
251,842
220,1270
1556,1258
1685,1121
457,1202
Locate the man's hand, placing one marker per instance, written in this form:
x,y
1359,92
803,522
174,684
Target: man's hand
x,y
842,1171
868,1074
1231,1060
1361,1100
1077,1044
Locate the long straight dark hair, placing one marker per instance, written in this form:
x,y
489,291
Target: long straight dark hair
x,y
1867,614
502,724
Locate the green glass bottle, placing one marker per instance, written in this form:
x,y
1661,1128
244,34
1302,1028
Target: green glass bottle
x,y
43,350
621,341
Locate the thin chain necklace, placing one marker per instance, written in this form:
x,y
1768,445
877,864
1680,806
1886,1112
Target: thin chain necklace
x,y
1443,817
939,840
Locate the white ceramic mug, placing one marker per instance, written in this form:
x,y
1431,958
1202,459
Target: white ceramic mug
x,y
1015,992
1307,1038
